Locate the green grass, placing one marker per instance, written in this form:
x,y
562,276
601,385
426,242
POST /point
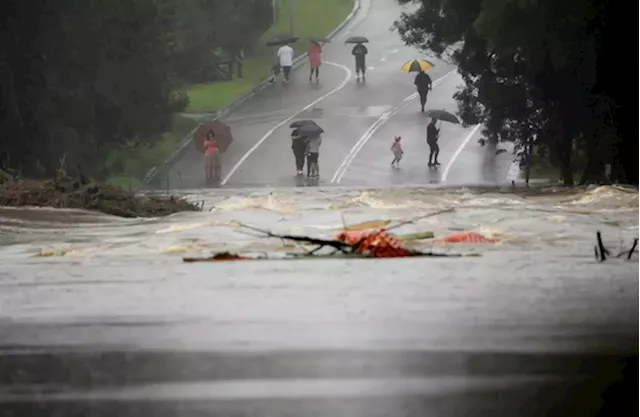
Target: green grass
x,y
311,18
128,165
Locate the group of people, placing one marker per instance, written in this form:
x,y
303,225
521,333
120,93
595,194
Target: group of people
x,y
306,149
424,85
309,148
314,51
432,140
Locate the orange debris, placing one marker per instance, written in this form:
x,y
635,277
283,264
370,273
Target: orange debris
x,y
466,237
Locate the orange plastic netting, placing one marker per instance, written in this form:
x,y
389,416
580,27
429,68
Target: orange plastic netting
x,y
379,244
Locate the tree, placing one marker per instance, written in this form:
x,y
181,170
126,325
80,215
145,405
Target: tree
x,y
80,78
529,68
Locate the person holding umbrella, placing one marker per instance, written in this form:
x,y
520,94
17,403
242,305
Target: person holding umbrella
x,y
422,81
299,147
312,132
432,141
423,84
210,155
433,133
360,53
285,54
212,138
315,59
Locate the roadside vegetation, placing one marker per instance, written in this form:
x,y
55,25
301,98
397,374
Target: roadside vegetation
x,y
539,74
311,18
100,88
81,193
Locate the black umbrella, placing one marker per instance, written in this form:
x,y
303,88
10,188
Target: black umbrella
x,y
282,39
295,135
310,130
357,39
300,123
442,115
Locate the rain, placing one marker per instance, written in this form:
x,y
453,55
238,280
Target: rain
x,y
314,208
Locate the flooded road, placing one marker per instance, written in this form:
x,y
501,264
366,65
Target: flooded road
x,y
99,316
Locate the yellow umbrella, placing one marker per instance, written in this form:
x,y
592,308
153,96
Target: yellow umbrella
x,y
417,65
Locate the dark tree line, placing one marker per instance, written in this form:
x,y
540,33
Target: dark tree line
x,y
540,73
81,77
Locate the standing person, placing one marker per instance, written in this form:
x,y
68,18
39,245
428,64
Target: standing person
x,y
239,58
397,151
285,53
210,154
313,153
360,52
299,147
432,141
315,59
423,84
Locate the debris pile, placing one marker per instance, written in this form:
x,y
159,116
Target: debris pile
x,y
357,242
66,192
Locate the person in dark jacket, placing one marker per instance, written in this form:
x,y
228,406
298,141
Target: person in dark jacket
x,y
360,52
423,84
299,147
432,141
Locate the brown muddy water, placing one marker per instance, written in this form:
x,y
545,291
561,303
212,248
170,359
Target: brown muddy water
x,y
100,316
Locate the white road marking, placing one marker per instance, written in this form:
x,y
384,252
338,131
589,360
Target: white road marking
x,y
458,151
288,119
344,166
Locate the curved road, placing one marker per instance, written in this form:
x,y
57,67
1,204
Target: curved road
x,y
359,119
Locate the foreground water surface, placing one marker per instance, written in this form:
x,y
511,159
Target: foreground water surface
x,y
100,316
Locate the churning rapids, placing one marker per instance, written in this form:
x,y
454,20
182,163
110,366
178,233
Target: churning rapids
x,y
99,315
72,264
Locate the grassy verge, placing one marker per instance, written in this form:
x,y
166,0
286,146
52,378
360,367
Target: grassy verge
x,y
130,164
311,18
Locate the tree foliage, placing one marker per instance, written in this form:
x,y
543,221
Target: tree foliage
x,y
530,70
81,77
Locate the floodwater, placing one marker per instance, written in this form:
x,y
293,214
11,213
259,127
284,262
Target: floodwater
x,y
99,316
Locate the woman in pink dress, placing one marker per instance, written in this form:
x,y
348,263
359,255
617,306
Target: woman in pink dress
x,y
211,158
315,59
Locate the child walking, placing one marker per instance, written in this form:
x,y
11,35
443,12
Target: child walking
x,y
397,151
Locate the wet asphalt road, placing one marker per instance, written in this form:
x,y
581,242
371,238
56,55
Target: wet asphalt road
x,y
360,121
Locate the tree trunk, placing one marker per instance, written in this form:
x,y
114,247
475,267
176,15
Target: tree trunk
x,y
594,170
565,149
529,162
626,157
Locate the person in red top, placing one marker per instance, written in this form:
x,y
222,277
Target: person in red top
x,y
315,59
210,155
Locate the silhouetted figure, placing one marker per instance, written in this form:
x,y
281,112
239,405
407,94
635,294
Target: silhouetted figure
x,y
360,52
432,141
423,84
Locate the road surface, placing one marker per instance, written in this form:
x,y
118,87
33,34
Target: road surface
x,y
360,121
